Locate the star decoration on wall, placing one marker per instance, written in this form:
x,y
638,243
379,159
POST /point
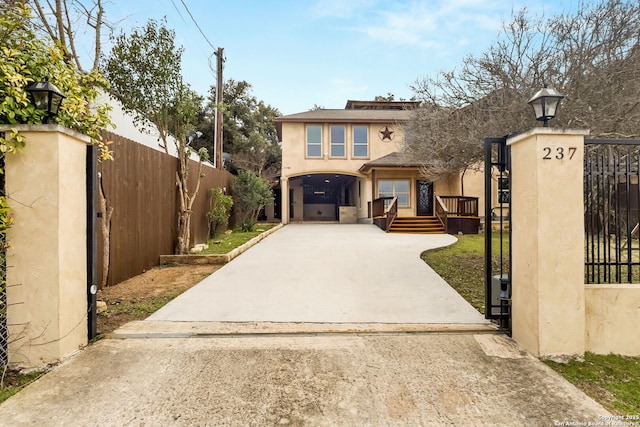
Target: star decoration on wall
x,y
386,134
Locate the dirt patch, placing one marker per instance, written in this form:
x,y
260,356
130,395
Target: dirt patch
x,y
138,297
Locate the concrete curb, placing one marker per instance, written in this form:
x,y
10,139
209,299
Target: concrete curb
x,y
218,259
165,329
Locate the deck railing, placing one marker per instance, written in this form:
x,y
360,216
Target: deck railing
x,y
391,212
442,212
385,208
460,205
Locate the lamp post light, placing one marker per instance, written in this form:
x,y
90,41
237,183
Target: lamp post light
x,y
46,97
545,103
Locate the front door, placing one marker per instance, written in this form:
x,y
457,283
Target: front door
x,y
424,196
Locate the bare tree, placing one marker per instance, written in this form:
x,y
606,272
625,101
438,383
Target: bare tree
x,y
63,20
591,57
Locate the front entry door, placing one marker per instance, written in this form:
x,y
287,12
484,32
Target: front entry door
x,y
424,195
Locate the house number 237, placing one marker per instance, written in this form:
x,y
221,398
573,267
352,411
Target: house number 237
x,y
558,153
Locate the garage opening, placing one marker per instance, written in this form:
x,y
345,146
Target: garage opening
x,y
323,195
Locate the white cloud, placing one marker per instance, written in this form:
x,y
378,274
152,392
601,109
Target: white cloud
x,y
428,24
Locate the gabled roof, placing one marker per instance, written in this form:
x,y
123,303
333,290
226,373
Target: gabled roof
x,y
391,160
354,112
348,116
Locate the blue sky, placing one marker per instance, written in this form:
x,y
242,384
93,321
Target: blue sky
x,y
297,53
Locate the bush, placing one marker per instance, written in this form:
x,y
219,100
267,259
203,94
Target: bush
x,y
219,211
251,193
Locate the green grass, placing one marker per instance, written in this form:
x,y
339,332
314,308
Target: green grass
x,y
13,382
462,266
227,242
612,380
142,308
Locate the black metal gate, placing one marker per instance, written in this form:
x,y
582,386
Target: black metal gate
x,y
92,241
497,231
612,210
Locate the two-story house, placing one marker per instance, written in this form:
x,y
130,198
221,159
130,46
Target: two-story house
x,y
346,165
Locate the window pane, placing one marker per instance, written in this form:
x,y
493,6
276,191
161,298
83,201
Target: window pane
x,y
314,150
385,187
360,135
403,199
337,151
360,151
402,186
337,134
314,134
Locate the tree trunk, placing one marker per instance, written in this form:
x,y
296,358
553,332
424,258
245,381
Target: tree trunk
x,y
105,229
183,242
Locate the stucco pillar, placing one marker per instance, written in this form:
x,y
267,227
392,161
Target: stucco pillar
x,y
47,274
548,241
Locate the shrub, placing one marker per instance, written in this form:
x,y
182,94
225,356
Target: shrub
x,y
219,211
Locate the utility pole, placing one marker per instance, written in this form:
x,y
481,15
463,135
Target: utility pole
x,y
219,90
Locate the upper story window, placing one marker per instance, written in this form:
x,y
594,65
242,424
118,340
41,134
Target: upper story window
x,y
337,141
314,141
360,141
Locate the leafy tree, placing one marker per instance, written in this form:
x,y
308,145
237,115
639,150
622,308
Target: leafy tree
x,y
249,132
591,56
144,70
386,98
251,193
219,210
24,59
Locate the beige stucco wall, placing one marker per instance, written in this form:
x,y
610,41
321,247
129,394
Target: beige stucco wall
x,y
474,186
296,164
612,313
548,299
48,279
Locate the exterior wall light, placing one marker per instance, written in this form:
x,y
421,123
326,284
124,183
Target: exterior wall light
x,y
46,97
545,103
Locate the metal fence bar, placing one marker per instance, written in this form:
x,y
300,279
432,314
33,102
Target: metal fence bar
x,y
612,211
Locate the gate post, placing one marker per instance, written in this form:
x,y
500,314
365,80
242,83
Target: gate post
x,y
47,271
548,305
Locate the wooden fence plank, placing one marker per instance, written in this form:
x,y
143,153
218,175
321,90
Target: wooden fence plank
x,y
140,185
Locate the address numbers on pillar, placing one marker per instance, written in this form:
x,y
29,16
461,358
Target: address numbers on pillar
x,y
558,153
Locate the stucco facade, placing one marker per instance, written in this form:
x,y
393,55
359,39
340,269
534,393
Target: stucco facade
x,y
338,159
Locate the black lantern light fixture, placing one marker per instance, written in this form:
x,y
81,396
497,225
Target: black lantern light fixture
x,y
46,97
545,103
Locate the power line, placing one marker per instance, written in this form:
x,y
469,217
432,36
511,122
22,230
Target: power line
x,y
197,26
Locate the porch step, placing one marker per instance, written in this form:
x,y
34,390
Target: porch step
x,y
417,225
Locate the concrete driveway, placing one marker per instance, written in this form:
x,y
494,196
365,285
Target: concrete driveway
x,y
314,326
327,273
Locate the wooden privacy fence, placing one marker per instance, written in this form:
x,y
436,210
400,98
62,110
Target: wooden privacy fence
x,y
140,185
